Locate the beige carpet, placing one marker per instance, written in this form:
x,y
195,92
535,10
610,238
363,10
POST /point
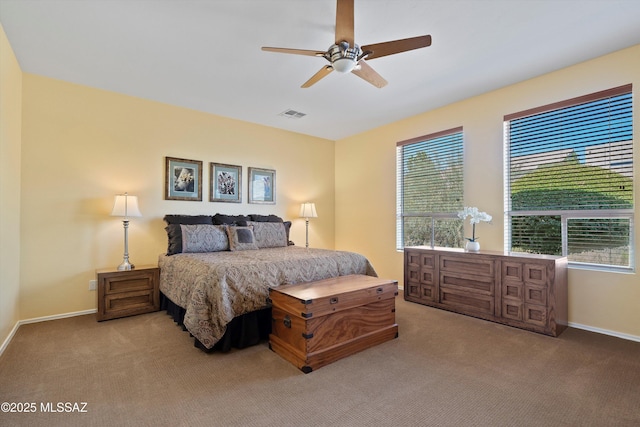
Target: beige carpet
x,y
444,370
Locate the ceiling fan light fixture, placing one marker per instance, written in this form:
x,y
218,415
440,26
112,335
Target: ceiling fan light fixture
x,y
344,65
343,58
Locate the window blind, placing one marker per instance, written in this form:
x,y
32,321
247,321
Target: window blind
x,y
570,178
430,189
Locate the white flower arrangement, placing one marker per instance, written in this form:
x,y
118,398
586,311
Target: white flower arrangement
x,y
476,217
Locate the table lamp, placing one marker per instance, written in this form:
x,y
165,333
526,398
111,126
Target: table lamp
x,y
308,210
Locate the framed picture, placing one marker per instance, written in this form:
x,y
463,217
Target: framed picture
x,y
262,186
226,183
183,179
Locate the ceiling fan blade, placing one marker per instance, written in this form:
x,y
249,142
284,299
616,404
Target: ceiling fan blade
x,y
344,22
294,51
369,74
317,76
389,48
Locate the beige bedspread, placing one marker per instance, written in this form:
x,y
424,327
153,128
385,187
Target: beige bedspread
x,y
215,287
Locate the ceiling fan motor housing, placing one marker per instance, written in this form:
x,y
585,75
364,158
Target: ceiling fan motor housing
x,y
343,57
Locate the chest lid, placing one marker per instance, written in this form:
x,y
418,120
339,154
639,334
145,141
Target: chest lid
x,y
327,296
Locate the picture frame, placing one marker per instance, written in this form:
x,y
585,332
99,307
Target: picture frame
x,y
225,183
183,179
262,186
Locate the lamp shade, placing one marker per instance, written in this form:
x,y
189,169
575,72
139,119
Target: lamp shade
x,y
308,210
126,206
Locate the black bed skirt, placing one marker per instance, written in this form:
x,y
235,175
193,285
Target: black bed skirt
x,y
243,331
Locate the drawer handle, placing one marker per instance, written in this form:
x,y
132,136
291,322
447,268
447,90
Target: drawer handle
x,y
333,300
379,290
287,322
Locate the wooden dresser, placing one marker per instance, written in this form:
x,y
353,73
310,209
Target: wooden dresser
x,y
521,290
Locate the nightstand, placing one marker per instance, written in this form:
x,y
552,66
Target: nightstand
x,y
127,293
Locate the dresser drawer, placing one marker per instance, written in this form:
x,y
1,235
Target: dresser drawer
x,y
467,283
466,302
512,271
476,266
535,315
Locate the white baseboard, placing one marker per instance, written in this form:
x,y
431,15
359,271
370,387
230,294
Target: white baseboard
x,y
41,319
9,337
58,316
605,332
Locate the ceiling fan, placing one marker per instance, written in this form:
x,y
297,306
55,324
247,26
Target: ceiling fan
x,y
345,56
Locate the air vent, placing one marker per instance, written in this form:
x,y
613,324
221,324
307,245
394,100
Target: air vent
x,y
292,114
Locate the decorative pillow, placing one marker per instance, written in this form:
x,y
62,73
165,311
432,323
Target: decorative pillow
x,y
204,238
241,239
269,234
174,232
174,236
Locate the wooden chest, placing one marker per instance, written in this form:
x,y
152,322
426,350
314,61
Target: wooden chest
x,y
317,323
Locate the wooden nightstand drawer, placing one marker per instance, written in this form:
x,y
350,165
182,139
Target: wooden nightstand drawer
x,y
128,283
127,293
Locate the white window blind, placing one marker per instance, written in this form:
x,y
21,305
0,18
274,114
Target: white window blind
x,y
429,190
569,179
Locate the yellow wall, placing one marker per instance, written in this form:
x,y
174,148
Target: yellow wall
x,y
74,147
365,181
10,141
81,146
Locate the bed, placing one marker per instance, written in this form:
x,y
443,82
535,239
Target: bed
x,y
217,272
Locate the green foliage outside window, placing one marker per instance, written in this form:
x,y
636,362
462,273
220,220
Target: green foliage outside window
x,y
569,185
432,186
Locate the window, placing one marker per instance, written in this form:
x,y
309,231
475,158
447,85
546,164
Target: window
x,y
569,180
429,190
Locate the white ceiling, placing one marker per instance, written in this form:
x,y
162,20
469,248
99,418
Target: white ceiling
x,y
205,54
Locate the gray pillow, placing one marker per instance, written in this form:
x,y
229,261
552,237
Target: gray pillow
x,y
269,234
174,232
241,238
204,238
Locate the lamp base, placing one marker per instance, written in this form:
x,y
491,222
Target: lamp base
x,y
126,265
307,241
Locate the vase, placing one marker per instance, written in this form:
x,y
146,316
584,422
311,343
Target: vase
x,y
473,246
